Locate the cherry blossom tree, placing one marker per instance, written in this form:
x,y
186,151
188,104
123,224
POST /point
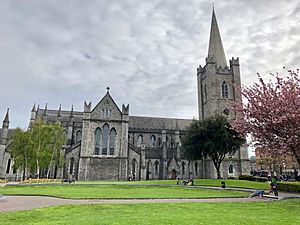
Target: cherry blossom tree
x,y
271,114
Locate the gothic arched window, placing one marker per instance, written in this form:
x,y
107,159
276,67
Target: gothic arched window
x,y
105,137
153,141
230,168
172,143
156,168
78,136
97,141
183,168
224,90
112,141
159,142
8,165
196,168
140,140
71,165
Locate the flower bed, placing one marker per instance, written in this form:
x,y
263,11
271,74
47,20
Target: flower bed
x,y
42,180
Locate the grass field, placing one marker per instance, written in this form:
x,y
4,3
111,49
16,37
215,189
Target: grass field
x,y
241,213
118,191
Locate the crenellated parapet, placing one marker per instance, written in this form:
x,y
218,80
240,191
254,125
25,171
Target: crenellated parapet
x,y
234,62
223,70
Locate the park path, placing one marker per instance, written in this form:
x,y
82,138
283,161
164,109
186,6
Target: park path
x,y
16,203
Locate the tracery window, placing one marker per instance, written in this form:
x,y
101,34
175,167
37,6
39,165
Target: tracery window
x,y
224,90
112,141
105,137
97,141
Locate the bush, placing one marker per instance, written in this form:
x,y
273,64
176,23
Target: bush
x,y
261,179
3,181
293,187
246,177
231,178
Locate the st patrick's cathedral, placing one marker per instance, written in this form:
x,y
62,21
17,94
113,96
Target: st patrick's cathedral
x,y
105,142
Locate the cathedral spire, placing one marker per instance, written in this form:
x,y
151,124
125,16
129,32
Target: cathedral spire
x,y
215,48
59,111
6,118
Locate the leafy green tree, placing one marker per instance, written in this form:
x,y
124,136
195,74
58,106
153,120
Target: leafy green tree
x,y
213,138
58,139
21,150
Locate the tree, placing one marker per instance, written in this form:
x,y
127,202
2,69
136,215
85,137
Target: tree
x,y
38,149
58,139
271,114
213,138
21,150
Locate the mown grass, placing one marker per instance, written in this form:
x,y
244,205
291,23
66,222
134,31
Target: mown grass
x,y
118,191
233,213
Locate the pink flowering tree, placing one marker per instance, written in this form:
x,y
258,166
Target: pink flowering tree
x,y
271,115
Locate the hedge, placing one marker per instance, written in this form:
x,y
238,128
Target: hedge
x,y
289,187
246,177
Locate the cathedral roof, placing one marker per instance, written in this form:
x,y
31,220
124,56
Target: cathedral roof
x,y
215,48
158,123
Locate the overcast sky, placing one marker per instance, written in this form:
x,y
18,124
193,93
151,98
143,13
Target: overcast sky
x,y
147,52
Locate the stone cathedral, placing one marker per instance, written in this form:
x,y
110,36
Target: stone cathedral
x,y
105,142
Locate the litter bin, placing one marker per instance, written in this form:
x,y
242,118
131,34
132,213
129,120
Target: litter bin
x,y
222,184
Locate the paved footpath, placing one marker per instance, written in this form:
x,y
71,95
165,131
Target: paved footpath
x,y
16,203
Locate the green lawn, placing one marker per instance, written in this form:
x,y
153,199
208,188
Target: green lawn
x,y
118,191
234,213
203,182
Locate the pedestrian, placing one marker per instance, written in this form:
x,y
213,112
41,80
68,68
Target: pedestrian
x,y
274,186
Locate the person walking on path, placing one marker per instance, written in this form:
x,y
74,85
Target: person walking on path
x,y
274,186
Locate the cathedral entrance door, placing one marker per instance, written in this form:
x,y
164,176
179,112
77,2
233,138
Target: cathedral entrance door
x,y
173,174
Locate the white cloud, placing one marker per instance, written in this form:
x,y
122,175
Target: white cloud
x,y
146,51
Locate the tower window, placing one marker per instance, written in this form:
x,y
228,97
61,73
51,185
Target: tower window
x,y
224,90
71,166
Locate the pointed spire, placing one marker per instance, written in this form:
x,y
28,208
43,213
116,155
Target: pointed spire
x,y
6,118
107,90
45,111
59,111
33,108
72,113
215,48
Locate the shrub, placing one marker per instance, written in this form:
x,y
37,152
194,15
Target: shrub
x,y
246,177
231,178
3,181
293,187
261,179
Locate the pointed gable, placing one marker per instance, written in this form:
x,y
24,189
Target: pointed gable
x,y
215,49
106,109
